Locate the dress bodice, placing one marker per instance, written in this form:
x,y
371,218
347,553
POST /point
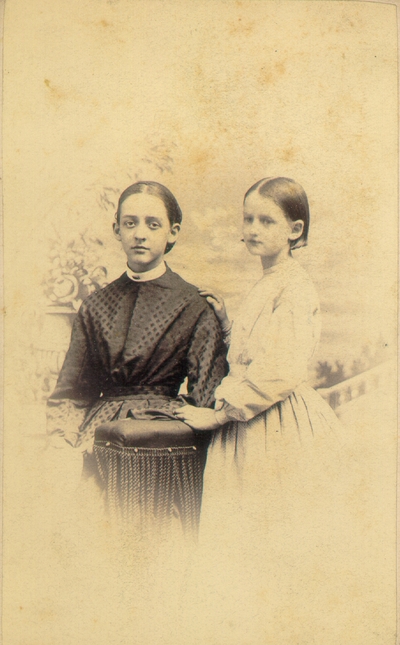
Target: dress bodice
x,y
273,338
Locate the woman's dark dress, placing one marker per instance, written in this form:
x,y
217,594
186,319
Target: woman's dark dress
x,y
132,346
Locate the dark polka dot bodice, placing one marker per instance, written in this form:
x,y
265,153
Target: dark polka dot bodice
x,y
134,337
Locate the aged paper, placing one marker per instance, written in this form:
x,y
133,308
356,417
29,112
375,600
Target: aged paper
x,y
206,97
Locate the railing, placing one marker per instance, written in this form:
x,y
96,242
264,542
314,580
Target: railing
x,y
379,376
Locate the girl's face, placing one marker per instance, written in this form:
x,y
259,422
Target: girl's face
x,y
144,230
267,231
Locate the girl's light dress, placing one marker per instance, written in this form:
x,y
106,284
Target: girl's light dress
x,y
274,502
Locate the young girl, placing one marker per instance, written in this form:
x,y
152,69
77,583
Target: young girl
x,y
272,476
266,394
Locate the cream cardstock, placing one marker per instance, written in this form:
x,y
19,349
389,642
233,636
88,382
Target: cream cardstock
x,y
206,97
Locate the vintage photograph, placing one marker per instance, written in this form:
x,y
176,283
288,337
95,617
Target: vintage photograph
x,y
200,222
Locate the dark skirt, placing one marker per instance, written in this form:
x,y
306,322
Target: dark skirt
x,y
149,466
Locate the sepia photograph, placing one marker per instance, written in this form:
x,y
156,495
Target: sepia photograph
x,y
200,231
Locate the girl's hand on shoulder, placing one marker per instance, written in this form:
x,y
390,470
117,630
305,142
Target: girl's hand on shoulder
x,y
197,418
217,303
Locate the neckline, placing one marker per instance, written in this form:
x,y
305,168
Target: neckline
x,y
146,276
280,266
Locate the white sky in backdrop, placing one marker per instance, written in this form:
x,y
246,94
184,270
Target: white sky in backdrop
x,y
96,92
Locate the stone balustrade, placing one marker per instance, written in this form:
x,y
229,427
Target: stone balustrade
x,y
344,392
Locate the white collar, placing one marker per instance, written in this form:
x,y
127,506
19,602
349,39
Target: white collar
x,y
146,276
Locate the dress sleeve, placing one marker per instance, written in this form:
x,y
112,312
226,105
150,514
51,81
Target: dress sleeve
x,y
286,341
206,359
76,388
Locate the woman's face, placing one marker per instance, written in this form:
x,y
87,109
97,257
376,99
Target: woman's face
x,y
144,230
267,231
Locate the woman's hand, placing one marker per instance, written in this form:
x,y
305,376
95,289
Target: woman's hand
x,y
197,418
218,304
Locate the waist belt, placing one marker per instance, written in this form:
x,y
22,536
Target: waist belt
x,y
126,392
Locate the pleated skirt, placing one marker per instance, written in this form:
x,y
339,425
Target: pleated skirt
x,y
276,526
284,453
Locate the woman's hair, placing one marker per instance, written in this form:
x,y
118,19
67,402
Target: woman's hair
x,y
291,198
158,190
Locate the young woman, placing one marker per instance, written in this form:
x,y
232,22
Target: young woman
x,y
133,343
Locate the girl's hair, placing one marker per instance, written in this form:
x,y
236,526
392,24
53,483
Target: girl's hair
x,y
158,190
291,198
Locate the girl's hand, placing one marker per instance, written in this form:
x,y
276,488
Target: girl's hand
x,y
197,418
218,304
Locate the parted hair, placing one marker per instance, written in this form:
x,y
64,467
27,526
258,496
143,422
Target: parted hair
x,y
291,198
158,190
